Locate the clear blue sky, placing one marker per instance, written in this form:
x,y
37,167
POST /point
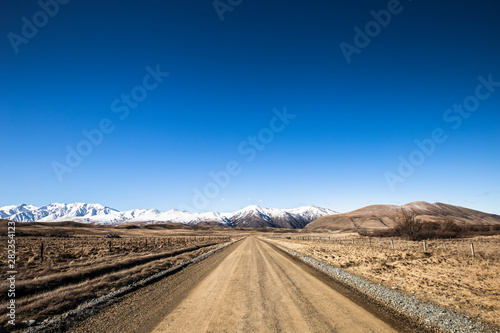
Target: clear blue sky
x,y
353,120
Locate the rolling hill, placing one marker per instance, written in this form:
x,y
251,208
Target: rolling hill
x,y
384,216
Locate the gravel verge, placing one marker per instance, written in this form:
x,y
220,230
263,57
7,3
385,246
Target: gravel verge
x,y
431,316
86,308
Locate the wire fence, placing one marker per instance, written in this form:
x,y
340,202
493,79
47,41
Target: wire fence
x,y
473,247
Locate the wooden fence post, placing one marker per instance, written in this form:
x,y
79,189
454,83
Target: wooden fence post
x,y
392,243
425,246
41,251
472,249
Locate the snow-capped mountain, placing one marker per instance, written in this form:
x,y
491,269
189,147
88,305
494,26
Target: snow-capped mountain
x,y
256,216
251,216
57,212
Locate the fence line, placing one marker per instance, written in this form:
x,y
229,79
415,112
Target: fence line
x,y
45,246
471,247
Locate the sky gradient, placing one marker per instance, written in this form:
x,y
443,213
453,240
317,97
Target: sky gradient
x,y
158,140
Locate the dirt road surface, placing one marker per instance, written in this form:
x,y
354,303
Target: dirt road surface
x,y
249,287
257,289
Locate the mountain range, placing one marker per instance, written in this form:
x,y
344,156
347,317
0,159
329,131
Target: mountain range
x,y
384,216
251,216
310,217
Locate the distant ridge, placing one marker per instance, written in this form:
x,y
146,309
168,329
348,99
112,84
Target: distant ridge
x,y
384,216
251,216
308,217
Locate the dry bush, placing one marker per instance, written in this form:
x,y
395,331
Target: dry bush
x,y
450,225
112,235
407,224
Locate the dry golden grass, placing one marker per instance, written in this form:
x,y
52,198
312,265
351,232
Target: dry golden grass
x,y
70,266
62,255
40,306
85,265
453,279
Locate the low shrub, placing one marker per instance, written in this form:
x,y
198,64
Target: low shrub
x,y
407,226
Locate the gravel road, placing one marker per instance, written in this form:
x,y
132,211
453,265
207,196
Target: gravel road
x,y
259,289
250,287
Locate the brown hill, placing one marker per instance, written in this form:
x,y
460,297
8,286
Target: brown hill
x,y
384,216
